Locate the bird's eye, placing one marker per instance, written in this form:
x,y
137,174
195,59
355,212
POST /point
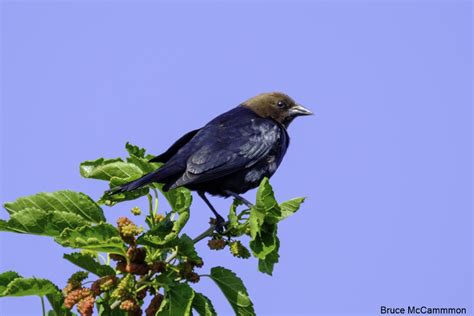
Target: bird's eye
x,y
282,104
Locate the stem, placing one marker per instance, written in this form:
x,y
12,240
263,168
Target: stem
x,y
115,304
208,233
150,204
42,306
173,255
205,234
155,210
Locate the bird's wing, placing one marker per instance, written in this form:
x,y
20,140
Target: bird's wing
x,y
221,149
164,157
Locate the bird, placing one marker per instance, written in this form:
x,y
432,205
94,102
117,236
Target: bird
x,y
231,154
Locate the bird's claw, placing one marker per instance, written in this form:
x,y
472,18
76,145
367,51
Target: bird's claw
x,y
219,224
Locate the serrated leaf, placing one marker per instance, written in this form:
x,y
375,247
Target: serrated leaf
x,y
180,199
135,150
40,222
267,264
111,200
179,300
164,232
29,286
234,225
105,169
290,207
233,289
62,201
102,238
6,278
203,306
265,241
88,263
186,248
144,165
265,247
87,168
266,203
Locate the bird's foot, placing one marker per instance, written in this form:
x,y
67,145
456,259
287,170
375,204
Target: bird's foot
x,y
240,198
219,224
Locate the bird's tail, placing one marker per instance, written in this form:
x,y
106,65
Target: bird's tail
x,y
133,185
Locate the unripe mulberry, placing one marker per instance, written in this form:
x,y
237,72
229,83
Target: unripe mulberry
x,y
128,230
159,218
124,288
103,284
136,211
239,250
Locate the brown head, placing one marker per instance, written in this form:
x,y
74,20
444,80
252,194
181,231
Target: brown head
x,y
277,106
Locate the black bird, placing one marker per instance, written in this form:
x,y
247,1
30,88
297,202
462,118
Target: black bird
x,y
229,155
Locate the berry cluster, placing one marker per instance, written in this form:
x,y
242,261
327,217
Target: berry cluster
x,y
236,248
76,294
128,230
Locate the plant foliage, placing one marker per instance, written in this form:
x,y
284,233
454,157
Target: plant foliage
x,y
160,261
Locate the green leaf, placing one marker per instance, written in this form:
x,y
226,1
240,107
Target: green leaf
x,y
88,263
62,201
29,286
266,265
233,289
135,150
111,200
236,228
186,248
105,169
144,165
40,222
265,241
102,238
203,305
290,207
159,234
180,199
265,247
165,231
6,278
179,299
266,203
88,168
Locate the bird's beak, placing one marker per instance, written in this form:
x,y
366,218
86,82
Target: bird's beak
x,y
299,110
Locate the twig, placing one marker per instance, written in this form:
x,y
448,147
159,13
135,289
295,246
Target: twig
x,y
42,305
